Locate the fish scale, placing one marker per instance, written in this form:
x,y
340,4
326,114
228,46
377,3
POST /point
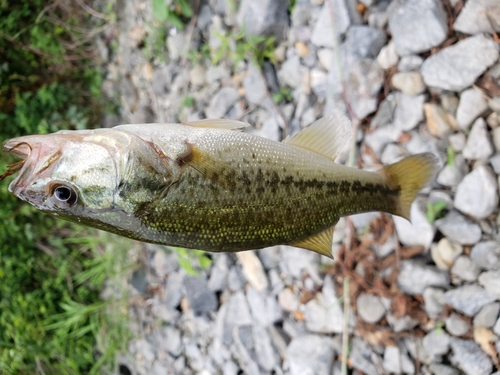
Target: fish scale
x,y
206,186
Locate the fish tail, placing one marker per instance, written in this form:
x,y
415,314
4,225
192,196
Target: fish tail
x,y
409,176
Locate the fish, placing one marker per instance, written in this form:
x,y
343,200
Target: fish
x,y
207,184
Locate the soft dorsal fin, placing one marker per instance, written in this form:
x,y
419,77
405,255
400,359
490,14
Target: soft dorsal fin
x,y
327,136
218,124
320,243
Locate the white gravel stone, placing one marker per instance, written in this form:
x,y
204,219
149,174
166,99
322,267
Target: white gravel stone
x,y
370,308
417,25
310,354
409,83
434,302
288,300
478,16
364,81
472,105
266,17
490,280
397,362
451,175
477,194
458,66
438,121
487,255
221,102
253,270
418,232
326,57
487,316
409,63
324,314
496,327
409,111
388,57
478,145
468,299
465,269
414,277
436,343
445,252
459,228
470,358
324,34
456,325
457,141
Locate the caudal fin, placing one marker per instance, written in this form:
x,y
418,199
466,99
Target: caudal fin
x,y
409,176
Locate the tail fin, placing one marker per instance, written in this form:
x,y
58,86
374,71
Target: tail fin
x,y
409,176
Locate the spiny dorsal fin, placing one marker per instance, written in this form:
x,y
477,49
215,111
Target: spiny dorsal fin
x,y
217,124
327,136
320,243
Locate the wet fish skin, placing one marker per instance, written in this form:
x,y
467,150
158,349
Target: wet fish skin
x,y
205,186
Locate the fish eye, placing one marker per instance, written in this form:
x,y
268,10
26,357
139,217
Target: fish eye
x,y
64,195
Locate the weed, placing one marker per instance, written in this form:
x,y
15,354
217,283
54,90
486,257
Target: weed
x,y
283,94
176,13
190,260
52,319
188,101
450,156
238,47
435,210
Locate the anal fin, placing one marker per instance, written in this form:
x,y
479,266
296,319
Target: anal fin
x,y
320,243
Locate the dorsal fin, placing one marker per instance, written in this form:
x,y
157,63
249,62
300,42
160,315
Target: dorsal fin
x,y
327,136
217,123
320,243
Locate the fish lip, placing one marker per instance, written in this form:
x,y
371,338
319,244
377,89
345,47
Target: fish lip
x,y
13,146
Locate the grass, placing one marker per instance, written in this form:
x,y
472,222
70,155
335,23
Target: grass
x,y
52,319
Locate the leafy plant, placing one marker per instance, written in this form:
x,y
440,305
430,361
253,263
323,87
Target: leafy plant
x,y
238,47
175,13
283,94
52,319
435,210
189,260
450,156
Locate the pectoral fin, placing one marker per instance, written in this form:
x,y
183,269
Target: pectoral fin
x,y
327,136
320,243
210,167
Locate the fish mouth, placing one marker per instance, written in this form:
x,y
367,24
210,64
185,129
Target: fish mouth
x,y
21,150
37,154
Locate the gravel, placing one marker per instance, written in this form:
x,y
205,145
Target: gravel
x,y
472,104
417,26
414,86
470,358
486,255
468,299
457,67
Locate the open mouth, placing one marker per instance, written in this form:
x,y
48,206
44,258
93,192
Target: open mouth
x,y
21,150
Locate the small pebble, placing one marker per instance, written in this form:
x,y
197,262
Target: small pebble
x,y
487,255
465,269
445,253
468,299
456,325
487,316
491,282
370,308
409,83
478,145
472,105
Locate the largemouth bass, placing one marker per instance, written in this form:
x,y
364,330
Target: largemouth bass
x,y
205,185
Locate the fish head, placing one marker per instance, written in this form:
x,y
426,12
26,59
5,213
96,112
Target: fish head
x,y
72,174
